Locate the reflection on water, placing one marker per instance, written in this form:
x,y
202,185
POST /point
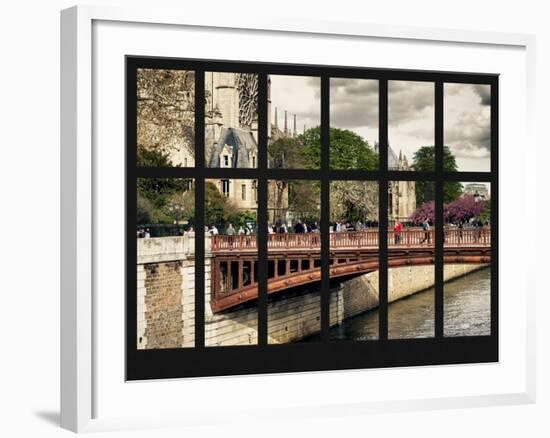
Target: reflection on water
x,y
467,313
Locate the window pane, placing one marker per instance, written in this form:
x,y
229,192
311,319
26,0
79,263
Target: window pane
x,y
165,118
353,123
165,263
294,109
294,260
411,119
354,260
411,251
231,120
231,263
467,120
467,270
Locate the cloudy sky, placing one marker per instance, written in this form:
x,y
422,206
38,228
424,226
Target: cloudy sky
x,y
300,95
411,116
354,106
468,125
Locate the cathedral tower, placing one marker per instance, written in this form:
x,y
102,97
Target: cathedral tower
x,y
227,98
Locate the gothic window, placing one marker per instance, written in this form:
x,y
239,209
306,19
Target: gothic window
x,y
225,187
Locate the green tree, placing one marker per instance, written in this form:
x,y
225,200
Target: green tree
x,y
304,199
486,214
217,208
350,151
156,194
286,153
347,150
144,210
153,158
424,161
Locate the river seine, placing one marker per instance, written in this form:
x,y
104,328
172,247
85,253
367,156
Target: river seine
x,y
467,312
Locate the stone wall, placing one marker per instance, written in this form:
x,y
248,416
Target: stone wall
x,y
165,293
164,323
294,317
361,293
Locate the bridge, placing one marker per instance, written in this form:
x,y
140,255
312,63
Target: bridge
x,y
294,259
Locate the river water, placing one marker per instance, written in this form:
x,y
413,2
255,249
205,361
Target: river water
x,y
467,312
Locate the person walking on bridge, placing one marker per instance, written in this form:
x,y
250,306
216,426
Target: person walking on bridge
x,y
426,229
397,232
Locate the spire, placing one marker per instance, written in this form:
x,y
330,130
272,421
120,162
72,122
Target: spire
x,y
294,133
304,128
286,124
276,122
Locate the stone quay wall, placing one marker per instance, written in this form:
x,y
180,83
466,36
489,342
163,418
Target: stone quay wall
x,y
361,293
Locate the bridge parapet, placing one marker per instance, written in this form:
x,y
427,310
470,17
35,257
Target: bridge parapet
x,y
165,249
354,239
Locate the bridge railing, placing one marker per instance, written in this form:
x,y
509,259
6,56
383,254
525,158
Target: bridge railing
x,y
355,239
468,236
411,237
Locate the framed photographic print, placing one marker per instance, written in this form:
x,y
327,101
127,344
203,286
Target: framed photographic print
x,y
289,212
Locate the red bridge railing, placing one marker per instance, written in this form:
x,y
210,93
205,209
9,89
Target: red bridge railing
x,y
355,239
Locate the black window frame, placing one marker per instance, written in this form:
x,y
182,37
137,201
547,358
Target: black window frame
x,y
323,355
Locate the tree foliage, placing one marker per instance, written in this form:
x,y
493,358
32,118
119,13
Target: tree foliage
x,y
304,198
424,161
459,210
165,111
350,151
426,211
155,196
347,151
287,153
463,209
353,201
219,210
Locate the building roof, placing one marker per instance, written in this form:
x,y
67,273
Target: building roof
x,y
241,141
393,159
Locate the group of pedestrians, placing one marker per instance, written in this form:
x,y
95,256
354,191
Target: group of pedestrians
x,y
230,230
143,233
348,227
298,228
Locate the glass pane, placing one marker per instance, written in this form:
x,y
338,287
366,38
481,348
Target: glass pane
x,y
353,124
165,118
231,120
294,260
411,118
354,260
294,108
411,251
467,120
467,271
165,263
231,259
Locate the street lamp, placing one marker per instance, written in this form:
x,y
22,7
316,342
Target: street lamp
x,y
177,212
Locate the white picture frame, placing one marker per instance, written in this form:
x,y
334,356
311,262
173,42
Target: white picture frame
x,y
81,369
